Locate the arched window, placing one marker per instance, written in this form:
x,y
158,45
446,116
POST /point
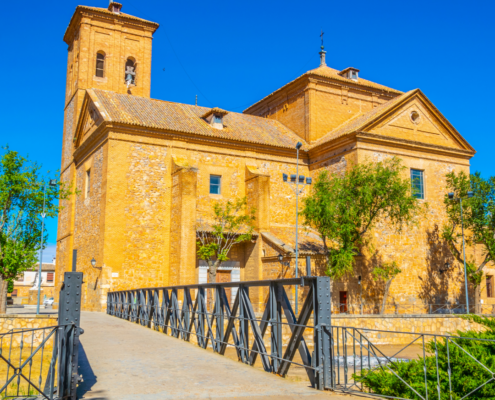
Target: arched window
x,y
100,64
130,72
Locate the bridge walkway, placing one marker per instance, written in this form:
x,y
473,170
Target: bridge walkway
x,y
121,360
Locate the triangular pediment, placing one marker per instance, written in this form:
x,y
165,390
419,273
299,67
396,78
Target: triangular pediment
x,y
416,119
90,119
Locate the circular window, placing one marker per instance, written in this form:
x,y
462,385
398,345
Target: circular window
x,y
415,117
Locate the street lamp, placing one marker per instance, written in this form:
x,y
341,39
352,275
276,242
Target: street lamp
x,y
452,197
295,181
52,183
93,262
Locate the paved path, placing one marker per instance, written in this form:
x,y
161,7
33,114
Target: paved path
x,y
121,360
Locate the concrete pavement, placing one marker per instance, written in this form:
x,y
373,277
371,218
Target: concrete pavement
x,y
121,360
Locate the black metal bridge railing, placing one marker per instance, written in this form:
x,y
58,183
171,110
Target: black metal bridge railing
x,y
389,364
206,312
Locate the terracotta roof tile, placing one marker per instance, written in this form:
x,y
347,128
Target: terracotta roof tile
x,y
334,74
185,118
309,241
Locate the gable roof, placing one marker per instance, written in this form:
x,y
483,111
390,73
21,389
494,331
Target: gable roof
x,y
186,118
363,121
334,74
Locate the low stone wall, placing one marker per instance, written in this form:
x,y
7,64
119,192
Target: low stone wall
x,y
391,324
18,322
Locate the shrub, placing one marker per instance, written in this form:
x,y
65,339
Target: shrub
x,y
466,373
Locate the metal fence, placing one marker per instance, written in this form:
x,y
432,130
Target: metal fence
x,y
42,362
402,365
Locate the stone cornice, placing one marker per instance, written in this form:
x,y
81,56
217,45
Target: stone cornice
x,y
413,145
117,19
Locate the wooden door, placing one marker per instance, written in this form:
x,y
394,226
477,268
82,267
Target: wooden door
x,y
225,276
343,302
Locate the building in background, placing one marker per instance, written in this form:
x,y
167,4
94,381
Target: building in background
x,y
26,286
148,170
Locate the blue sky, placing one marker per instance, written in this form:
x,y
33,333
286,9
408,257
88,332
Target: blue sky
x,y
233,53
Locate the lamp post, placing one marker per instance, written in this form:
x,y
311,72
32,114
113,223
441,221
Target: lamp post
x,y
295,181
452,197
53,183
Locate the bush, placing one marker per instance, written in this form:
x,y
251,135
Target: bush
x,y
466,373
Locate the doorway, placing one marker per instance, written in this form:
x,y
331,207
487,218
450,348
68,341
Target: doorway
x,y
343,302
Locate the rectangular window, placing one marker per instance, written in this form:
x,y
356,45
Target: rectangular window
x,y
14,293
88,182
20,278
49,277
489,286
417,184
215,182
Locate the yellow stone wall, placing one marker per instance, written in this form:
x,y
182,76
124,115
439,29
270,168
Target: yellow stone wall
x,y
14,321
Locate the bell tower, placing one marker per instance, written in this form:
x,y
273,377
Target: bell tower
x,y
108,50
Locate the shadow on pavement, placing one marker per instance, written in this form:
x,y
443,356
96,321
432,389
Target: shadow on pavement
x,y
89,378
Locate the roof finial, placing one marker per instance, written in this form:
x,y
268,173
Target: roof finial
x,y
322,52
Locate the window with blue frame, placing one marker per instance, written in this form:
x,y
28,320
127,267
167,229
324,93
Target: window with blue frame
x,y
417,184
215,183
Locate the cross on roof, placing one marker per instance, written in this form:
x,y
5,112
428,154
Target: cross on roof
x,y
321,36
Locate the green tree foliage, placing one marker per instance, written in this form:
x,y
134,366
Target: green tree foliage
x,y
344,208
21,205
466,372
386,272
479,221
233,223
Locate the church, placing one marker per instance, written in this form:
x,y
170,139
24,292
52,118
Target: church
x,y
148,170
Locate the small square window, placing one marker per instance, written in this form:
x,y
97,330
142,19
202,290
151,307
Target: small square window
x,y
215,182
417,184
217,119
49,277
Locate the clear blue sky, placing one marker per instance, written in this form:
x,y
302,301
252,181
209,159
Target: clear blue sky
x,y
237,52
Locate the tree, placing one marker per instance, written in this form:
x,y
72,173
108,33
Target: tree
x,y
21,205
233,223
479,222
386,272
344,208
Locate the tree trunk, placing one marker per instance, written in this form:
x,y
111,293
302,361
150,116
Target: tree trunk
x,y
477,298
212,271
3,296
385,295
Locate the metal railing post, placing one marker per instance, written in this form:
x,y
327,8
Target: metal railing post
x,y
322,333
69,317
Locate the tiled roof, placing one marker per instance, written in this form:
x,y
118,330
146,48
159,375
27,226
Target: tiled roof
x,y
327,72
361,120
185,118
285,238
106,11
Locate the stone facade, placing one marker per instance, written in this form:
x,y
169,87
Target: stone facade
x,y
143,168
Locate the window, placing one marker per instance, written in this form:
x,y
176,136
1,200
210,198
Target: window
x,y
417,184
100,64
130,72
215,182
217,119
489,286
88,182
49,277
14,293
21,278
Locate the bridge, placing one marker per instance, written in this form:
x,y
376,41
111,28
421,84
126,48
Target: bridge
x,y
125,361
231,340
